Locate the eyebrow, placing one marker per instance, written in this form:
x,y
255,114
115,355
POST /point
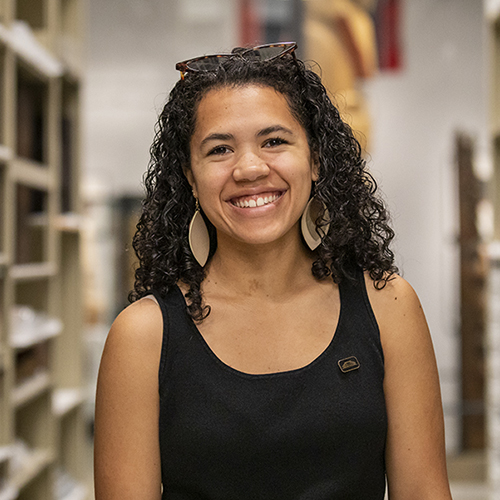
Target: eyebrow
x,y
272,129
260,133
217,137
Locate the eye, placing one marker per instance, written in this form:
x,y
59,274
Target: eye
x,y
275,141
219,151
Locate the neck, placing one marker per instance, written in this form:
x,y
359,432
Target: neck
x,y
272,270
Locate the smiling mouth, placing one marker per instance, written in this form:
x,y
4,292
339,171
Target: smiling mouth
x,y
256,200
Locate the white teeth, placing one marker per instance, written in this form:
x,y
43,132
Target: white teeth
x,y
256,203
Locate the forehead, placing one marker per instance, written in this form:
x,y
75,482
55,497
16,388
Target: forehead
x,y
247,103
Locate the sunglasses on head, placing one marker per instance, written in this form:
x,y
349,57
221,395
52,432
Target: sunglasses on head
x,y
266,52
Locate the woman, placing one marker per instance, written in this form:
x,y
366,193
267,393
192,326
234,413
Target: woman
x,y
279,355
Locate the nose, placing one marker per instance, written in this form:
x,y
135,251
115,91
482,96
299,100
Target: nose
x,y
250,167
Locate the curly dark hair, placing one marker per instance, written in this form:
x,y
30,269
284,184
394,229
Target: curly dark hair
x,y
359,233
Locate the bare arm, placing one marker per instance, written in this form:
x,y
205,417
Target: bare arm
x,y
415,452
126,449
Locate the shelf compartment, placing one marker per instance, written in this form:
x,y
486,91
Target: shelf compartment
x,y
31,389
32,116
3,210
30,327
35,15
33,466
69,146
2,91
32,225
70,445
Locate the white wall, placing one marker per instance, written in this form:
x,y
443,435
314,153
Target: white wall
x,y
133,47
416,113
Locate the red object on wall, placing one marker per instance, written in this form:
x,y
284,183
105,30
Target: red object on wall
x,y
250,25
388,27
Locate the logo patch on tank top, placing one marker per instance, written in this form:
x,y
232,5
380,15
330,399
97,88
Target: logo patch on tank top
x,y
349,364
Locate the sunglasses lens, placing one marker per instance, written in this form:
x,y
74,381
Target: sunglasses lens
x,y
209,63
269,52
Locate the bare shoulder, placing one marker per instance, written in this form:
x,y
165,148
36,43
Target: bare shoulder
x,y
397,292
396,306
140,324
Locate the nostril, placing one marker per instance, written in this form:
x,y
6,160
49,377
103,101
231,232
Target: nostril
x,y
251,171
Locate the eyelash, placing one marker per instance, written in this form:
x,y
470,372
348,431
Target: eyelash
x,y
274,141
217,150
278,141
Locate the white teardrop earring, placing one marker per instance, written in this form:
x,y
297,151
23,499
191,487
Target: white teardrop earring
x,y
311,233
199,239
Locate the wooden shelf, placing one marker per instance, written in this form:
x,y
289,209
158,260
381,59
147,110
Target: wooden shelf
x,y
69,223
31,389
26,272
23,42
32,174
32,467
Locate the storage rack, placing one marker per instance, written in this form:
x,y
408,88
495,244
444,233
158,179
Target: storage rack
x,y
41,387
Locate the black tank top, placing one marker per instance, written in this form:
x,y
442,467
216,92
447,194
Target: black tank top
x,y
314,433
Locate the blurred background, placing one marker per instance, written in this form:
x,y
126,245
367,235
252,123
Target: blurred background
x,y
81,85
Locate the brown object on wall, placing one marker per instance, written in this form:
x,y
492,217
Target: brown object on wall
x,y
339,35
473,271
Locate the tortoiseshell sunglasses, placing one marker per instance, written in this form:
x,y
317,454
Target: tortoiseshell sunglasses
x,y
266,52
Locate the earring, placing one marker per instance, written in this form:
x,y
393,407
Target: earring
x,y
199,240
313,234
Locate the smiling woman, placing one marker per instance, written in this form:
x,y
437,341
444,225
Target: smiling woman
x,y
271,350
251,168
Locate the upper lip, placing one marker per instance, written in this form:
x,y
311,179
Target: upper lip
x,y
255,192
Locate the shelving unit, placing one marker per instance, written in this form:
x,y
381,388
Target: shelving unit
x,y
492,348
41,395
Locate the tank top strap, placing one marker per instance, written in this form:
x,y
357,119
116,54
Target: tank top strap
x,y
357,312
173,310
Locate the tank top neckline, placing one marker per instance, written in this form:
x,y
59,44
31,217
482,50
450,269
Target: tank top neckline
x,y
293,372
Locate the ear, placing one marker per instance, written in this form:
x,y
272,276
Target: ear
x,y
314,167
189,176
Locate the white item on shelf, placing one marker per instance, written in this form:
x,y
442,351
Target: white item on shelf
x,y
8,492
64,400
30,327
67,487
5,153
5,453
